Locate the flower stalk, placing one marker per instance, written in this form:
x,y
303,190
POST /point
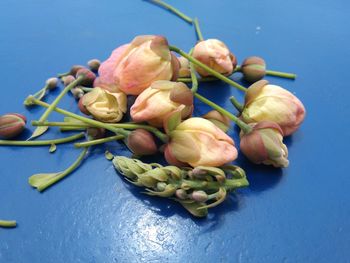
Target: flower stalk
x,y
198,30
99,141
8,223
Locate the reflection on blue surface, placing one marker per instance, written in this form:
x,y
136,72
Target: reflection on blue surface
x,y
298,214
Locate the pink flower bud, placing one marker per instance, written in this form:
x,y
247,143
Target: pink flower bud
x,y
184,71
197,141
253,69
104,105
215,54
270,102
89,77
11,125
141,142
68,80
52,83
199,196
82,108
220,120
74,69
264,144
161,98
133,67
94,64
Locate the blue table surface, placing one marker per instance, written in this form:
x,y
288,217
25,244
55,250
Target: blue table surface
x,y
298,214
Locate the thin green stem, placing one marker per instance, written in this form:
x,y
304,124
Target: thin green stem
x,y
128,126
40,91
189,80
198,30
193,75
43,142
281,74
99,141
236,104
63,174
246,128
8,223
173,9
208,69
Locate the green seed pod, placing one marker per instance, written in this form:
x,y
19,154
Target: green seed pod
x,y
11,125
253,69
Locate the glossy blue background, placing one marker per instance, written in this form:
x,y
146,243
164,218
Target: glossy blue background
x,y
299,214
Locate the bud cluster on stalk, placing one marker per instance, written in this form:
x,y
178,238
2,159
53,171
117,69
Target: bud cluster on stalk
x,y
195,189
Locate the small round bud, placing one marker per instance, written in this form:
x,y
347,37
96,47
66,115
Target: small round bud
x,y
161,186
67,80
141,142
77,92
253,69
82,108
181,194
199,196
73,71
94,64
96,133
11,125
89,77
52,83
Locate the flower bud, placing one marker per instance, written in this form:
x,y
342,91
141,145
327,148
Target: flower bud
x,y
11,125
155,103
111,87
141,142
94,64
197,141
199,196
253,69
89,77
181,194
264,144
215,54
77,92
96,133
104,105
161,186
52,83
270,102
82,108
220,120
68,80
135,66
184,71
74,69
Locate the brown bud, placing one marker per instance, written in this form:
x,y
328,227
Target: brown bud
x,y
89,77
52,83
253,69
220,120
94,64
96,133
181,94
77,92
82,108
73,71
67,80
11,125
141,142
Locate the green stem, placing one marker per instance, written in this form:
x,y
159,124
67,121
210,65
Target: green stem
x,y
173,9
8,223
43,142
189,80
193,76
40,91
61,75
128,126
235,103
99,141
244,127
198,30
208,69
66,172
281,74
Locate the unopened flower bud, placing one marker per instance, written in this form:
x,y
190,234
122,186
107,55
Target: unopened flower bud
x,y
181,194
52,83
89,77
94,64
253,69
82,108
141,142
199,196
74,69
184,71
161,186
220,120
11,125
77,93
96,133
67,80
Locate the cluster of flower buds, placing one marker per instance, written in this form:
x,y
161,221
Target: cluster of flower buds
x,y
195,189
